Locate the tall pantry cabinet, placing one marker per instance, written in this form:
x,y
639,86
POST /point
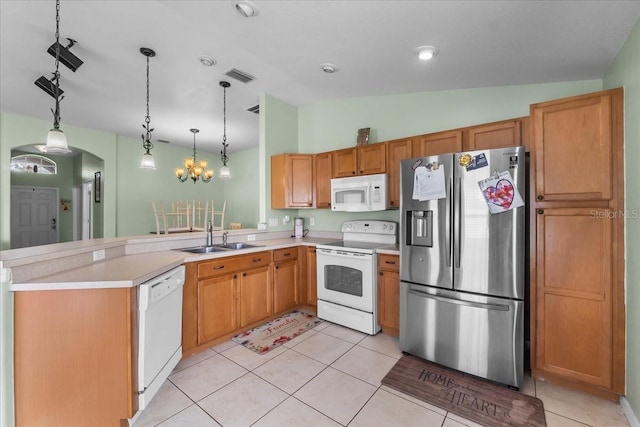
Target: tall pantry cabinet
x,y
577,279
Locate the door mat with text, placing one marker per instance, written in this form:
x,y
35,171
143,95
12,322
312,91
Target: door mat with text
x,y
277,332
470,397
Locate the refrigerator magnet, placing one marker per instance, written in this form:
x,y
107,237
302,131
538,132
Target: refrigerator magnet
x,y
500,193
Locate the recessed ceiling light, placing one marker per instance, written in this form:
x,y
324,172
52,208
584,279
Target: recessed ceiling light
x,y
425,53
329,68
207,61
246,9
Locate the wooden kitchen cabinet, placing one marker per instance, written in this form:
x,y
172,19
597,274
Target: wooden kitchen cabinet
x,y
397,150
256,296
577,235
362,160
437,143
574,322
75,357
311,275
292,181
493,135
285,279
230,293
389,293
217,307
322,163
574,147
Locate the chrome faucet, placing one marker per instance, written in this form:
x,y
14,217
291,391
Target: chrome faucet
x,y
224,238
210,234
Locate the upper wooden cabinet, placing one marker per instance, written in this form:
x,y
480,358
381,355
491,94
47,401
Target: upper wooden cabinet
x,y
437,143
323,180
362,160
397,150
493,135
572,140
292,181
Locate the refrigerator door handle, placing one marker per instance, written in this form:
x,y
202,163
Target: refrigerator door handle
x,y
447,225
497,307
457,228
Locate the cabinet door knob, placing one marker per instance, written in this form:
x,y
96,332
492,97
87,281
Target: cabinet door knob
x,y
540,211
277,267
235,276
540,197
380,274
353,172
244,274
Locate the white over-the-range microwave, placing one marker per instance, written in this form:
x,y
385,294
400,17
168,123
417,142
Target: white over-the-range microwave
x,y
359,193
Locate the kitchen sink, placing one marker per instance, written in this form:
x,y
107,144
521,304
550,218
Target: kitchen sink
x,y
204,249
239,245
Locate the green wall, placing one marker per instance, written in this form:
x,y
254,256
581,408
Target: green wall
x,y
137,188
242,190
16,131
330,125
625,72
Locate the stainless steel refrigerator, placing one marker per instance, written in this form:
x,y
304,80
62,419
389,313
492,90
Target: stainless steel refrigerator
x,y
462,267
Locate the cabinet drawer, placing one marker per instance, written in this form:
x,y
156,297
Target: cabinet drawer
x,y
388,262
233,263
285,254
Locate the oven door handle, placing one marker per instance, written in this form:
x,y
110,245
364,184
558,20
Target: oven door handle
x,y
341,254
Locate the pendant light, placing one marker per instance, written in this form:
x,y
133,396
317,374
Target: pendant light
x,y
147,159
196,170
225,172
56,139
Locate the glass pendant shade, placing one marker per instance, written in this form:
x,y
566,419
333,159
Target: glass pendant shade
x,y
225,172
147,161
56,142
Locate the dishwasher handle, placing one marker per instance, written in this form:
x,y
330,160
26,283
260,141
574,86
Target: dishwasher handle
x,y
158,288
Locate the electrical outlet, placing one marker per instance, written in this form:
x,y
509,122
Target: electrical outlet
x,y
285,220
312,221
273,222
251,238
98,255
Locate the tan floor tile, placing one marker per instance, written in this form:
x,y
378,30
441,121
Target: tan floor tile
x,y
581,407
226,345
554,420
321,326
529,386
336,394
192,360
365,364
290,370
168,401
345,334
292,412
249,359
383,343
242,402
448,422
300,338
207,376
323,348
190,417
385,409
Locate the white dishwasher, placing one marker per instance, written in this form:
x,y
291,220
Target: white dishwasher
x,y
160,331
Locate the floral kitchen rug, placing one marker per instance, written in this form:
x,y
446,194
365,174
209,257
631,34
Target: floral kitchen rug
x,y
277,332
473,398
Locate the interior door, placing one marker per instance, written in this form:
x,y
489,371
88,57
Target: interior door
x,y
34,216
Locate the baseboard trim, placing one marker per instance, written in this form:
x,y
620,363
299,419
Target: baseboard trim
x,y
628,412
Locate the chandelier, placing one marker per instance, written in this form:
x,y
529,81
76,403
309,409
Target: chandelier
x,y
224,170
194,168
56,140
147,159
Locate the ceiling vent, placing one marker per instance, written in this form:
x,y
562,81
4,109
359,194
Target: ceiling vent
x,y
254,109
234,73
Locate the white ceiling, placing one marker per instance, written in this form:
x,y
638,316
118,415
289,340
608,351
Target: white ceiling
x,y
481,43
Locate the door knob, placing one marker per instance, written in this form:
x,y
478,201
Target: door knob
x,y
53,223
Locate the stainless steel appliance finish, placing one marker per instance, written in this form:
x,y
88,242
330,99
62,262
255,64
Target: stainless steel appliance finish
x,y
346,274
298,228
462,269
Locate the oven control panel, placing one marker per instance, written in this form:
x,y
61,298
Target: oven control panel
x,y
374,227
